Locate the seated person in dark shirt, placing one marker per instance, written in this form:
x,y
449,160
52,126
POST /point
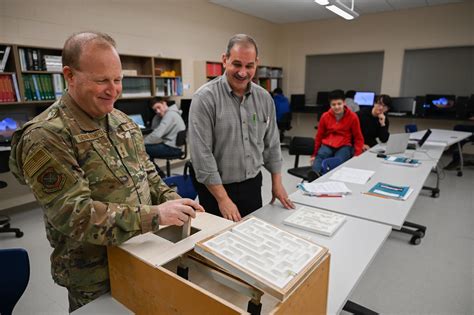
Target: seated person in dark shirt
x,y
282,106
374,123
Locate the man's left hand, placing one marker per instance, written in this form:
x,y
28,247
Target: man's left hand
x,y
279,192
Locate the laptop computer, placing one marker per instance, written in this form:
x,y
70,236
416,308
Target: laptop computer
x,y
397,143
138,119
419,143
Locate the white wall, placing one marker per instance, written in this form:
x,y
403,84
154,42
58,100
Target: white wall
x,y
392,32
186,29
197,30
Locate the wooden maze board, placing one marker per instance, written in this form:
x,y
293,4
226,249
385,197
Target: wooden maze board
x,y
263,255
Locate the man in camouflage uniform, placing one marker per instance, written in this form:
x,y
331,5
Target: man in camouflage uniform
x,y
86,164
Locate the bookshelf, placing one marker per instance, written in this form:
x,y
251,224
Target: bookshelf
x,y
269,77
168,77
31,76
137,77
205,71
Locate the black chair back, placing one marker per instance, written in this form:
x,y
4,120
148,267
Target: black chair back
x,y
14,277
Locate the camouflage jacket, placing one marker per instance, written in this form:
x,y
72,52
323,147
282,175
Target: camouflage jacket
x,y
95,187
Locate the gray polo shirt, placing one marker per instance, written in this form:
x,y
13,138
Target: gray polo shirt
x,y
231,139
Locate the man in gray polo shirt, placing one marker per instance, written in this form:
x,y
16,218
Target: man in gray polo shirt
x,y
233,132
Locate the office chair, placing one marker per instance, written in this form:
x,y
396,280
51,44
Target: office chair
x,y
301,146
411,128
284,125
183,183
180,142
14,277
330,164
5,220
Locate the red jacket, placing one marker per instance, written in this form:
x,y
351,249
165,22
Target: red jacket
x,y
336,134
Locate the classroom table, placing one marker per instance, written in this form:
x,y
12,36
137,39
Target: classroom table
x,y
352,249
381,210
445,137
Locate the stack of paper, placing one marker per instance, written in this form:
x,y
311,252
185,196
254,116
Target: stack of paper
x,y
402,161
390,191
352,175
316,220
324,189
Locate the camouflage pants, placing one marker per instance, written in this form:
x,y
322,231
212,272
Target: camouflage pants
x,y
82,295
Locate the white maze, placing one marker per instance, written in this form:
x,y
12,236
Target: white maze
x,y
316,220
266,251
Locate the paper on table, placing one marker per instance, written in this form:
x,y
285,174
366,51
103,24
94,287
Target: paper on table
x,y
325,188
352,175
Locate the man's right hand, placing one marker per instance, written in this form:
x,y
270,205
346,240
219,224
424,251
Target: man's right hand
x,y
229,210
178,211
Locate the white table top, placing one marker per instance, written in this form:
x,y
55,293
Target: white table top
x,y
447,137
352,249
104,305
381,210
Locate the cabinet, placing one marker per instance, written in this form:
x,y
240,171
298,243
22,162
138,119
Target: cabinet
x,y
205,71
168,78
32,75
269,77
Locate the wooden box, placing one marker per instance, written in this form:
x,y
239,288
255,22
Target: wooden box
x,y
143,278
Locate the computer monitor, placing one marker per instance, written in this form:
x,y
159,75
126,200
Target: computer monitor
x,y
138,119
322,98
402,104
440,104
297,102
364,98
9,123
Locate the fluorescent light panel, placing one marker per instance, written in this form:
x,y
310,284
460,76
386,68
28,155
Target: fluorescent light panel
x,y
338,8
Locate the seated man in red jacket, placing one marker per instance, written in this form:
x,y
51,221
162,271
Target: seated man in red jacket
x,y
338,133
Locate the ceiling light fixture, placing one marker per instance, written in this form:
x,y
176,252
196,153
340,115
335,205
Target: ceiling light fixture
x,y
339,8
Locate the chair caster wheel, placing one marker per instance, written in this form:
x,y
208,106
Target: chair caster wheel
x,y
19,234
459,174
421,233
415,240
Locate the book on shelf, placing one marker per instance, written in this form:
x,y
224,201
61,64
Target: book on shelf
x,y
385,190
324,189
316,220
7,90
136,87
39,87
4,53
273,84
58,85
130,72
15,85
53,63
213,69
402,161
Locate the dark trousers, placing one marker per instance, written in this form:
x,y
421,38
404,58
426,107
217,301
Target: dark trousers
x,y
246,195
161,150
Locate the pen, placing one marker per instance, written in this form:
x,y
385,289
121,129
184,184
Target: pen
x,y
329,195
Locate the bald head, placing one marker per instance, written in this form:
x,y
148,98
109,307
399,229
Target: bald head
x,y
75,44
